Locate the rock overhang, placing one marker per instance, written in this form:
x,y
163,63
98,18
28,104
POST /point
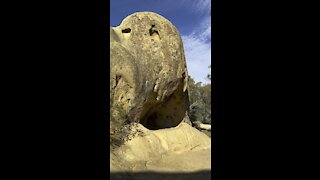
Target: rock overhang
x,y
148,70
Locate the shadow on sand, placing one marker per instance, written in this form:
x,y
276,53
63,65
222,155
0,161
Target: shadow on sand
x,y
203,175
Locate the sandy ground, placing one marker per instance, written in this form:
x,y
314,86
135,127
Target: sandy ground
x,y
187,165
185,162
182,152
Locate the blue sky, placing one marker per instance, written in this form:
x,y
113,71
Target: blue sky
x,y
191,17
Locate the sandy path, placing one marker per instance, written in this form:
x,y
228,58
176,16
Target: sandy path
x,y
192,165
183,162
178,153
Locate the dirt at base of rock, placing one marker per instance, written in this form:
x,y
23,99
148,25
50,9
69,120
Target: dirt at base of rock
x,y
179,149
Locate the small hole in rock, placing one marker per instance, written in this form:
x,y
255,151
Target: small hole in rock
x,y
152,30
127,30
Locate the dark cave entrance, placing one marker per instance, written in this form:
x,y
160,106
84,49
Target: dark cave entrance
x,y
166,114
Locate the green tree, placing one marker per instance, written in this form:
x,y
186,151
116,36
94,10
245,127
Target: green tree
x,y
200,101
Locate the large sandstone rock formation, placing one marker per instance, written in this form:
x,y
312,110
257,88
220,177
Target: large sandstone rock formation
x,y
148,82
149,99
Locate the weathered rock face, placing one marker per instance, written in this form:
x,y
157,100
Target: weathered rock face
x,y
148,82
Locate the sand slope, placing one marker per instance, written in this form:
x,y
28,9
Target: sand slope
x,y
179,149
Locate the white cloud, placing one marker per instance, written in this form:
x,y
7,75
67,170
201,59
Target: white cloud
x,y
203,6
198,55
197,44
196,6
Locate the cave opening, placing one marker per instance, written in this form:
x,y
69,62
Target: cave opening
x,y
166,114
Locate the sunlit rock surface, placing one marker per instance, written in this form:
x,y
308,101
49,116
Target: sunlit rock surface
x,y
148,71
149,123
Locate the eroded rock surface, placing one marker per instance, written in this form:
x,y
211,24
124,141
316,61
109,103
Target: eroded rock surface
x,y
149,99
148,72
